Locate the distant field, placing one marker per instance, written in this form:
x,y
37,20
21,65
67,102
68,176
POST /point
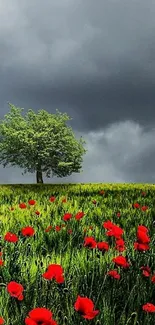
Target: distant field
x,y
85,253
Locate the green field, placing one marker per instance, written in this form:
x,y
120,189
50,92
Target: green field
x,y
66,223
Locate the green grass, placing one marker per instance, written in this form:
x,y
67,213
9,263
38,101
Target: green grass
x,y
85,270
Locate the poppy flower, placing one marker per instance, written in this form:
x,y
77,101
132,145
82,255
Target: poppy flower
x,y
142,228
22,206
10,237
115,231
1,320
146,270
121,261
15,290
57,228
32,202
103,246
90,242
79,215
48,228
52,199
141,247
149,308
67,216
142,237
40,316
114,274
85,307
54,271
27,231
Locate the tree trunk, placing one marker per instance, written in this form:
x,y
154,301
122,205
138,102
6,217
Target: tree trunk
x,y
39,176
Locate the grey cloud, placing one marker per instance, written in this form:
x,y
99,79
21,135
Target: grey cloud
x,y
94,61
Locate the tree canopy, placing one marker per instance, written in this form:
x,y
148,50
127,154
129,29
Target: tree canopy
x,y
41,143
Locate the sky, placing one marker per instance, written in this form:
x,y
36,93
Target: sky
x,y
94,60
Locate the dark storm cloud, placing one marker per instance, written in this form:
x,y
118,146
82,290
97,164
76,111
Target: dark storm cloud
x,y
93,60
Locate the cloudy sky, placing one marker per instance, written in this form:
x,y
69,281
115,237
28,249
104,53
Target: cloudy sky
x,y
94,60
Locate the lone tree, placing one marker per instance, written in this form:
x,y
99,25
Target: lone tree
x,y
40,143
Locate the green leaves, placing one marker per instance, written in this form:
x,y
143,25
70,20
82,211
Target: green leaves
x,y
41,140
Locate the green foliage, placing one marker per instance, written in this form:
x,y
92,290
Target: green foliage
x,y
40,142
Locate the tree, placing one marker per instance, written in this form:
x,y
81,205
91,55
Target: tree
x,y
40,143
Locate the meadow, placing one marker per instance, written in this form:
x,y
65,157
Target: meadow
x,y
77,254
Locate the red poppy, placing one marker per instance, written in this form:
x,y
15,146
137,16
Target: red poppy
x,y
103,246
120,245
40,316
146,270
32,202
27,231
67,216
1,320
57,228
1,262
52,198
144,208
141,247
48,228
10,237
79,215
22,206
115,231
54,271
114,274
90,242
149,308
108,224
142,237
121,261
136,205
85,307
15,290
142,228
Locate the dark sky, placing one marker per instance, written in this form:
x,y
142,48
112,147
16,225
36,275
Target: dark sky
x,y
94,60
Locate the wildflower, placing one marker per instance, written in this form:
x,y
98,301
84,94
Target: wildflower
x,y
40,316
15,290
149,308
32,202
10,237
85,307
22,206
54,271
67,216
146,270
114,274
52,199
103,246
1,320
121,261
90,242
48,228
27,231
79,215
